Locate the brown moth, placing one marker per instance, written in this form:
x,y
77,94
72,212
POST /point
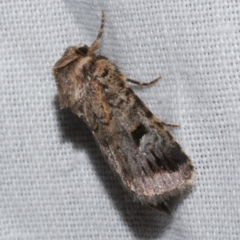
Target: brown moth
x,y
141,152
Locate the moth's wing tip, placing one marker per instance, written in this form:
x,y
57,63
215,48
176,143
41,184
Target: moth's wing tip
x,y
169,203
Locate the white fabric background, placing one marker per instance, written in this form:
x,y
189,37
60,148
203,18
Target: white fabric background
x,y
54,183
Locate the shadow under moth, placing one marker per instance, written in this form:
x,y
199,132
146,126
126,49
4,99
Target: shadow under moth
x,y
141,152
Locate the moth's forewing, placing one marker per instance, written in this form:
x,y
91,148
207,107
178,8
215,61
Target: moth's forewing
x,y
149,162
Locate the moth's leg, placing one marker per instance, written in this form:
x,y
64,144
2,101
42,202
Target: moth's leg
x,y
143,83
170,125
150,83
95,44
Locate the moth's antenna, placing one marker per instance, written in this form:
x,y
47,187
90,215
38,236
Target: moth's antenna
x,y
95,44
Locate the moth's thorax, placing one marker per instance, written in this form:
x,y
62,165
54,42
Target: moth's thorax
x,y
70,74
76,73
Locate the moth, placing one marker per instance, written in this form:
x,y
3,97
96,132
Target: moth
x,y
141,152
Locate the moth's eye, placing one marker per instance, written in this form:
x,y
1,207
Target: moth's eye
x,y
82,50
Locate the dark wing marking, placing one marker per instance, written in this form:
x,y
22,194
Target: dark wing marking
x,y
149,162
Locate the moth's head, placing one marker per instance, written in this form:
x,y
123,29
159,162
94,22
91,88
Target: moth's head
x,y
68,74
80,50
70,55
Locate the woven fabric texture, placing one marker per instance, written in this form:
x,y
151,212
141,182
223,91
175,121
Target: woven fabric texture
x,y
54,182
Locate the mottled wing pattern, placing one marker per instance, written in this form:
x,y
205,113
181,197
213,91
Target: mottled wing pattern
x,y
149,162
